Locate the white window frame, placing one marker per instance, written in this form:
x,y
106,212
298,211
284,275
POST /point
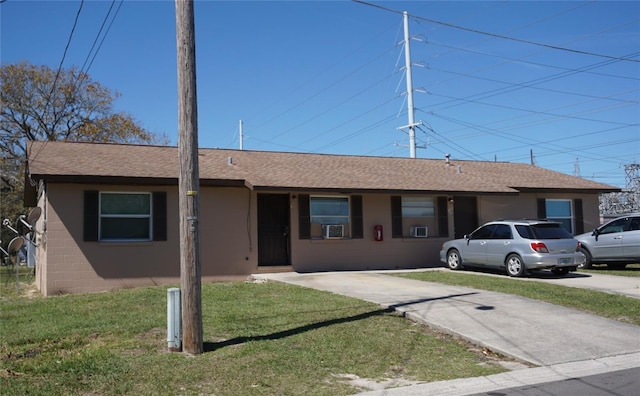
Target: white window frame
x,y
562,219
314,218
148,216
409,202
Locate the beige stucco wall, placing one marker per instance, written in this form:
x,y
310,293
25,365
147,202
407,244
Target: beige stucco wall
x,y
67,264
228,233
311,255
228,239
492,207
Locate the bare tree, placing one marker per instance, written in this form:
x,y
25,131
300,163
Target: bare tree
x,y
39,103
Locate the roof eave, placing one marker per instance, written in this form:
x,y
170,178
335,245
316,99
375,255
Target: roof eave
x,y
142,181
568,190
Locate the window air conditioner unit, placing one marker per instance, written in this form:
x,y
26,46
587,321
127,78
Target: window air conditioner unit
x,y
419,232
334,231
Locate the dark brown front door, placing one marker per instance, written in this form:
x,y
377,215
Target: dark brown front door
x,y
273,229
465,215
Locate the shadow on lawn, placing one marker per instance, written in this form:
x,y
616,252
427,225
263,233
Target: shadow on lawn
x,y
213,346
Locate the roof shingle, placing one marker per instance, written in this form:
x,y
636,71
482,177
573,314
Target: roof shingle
x,y
263,169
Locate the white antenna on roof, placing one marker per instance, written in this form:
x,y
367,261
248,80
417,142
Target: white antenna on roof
x,y
241,137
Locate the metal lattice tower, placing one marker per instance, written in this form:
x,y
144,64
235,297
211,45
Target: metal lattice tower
x,y
626,201
632,177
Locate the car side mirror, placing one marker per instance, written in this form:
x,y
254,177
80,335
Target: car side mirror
x,y
595,233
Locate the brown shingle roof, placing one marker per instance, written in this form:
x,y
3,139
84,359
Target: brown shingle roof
x,y
261,170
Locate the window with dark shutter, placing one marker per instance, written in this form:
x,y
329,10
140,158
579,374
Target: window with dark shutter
x,y
159,216
579,218
560,210
396,217
126,216
443,217
357,229
304,217
542,208
91,213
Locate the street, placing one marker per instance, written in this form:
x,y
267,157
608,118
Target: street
x,y
618,383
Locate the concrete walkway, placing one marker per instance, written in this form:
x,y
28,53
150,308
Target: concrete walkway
x,y
560,339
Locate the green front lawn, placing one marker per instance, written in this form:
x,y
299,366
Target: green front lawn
x,y
260,339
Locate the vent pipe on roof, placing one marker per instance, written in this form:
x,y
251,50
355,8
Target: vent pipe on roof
x,y
447,159
459,169
230,161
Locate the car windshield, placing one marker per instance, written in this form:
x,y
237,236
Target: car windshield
x,y
543,231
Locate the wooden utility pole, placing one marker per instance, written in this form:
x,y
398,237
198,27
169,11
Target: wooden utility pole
x,y
189,180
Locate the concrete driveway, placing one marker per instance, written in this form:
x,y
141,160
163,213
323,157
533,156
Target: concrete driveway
x,y
529,330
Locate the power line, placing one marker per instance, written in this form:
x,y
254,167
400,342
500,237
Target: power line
x,y
55,80
530,83
84,74
500,36
64,55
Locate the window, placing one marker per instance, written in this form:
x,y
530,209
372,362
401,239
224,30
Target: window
x,y
417,207
618,225
417,212
543,231
318,210
565,211
329,210
502,231
484,232
125,216
560,210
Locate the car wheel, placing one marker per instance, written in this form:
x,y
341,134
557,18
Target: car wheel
x,y
587,261
454,261
515,266
560,270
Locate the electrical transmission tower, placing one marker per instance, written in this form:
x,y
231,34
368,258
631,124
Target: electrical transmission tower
x,y
626,201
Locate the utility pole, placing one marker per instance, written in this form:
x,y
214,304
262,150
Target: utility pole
x,y
189,180
407,62
409,79
532,157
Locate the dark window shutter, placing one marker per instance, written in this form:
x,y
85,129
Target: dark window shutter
x,y
91,211
443,217
357,231
159,216
396,216
542,208
577,208
304,217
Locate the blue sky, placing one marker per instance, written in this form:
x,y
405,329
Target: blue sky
x,y
499,80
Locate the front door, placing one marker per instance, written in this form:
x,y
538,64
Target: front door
x,y
273,229
465,215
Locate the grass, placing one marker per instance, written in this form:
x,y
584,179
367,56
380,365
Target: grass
x,y
618,307
260,339
630,270
8,285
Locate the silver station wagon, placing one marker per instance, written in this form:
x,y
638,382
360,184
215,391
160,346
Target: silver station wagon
x,y
517,246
